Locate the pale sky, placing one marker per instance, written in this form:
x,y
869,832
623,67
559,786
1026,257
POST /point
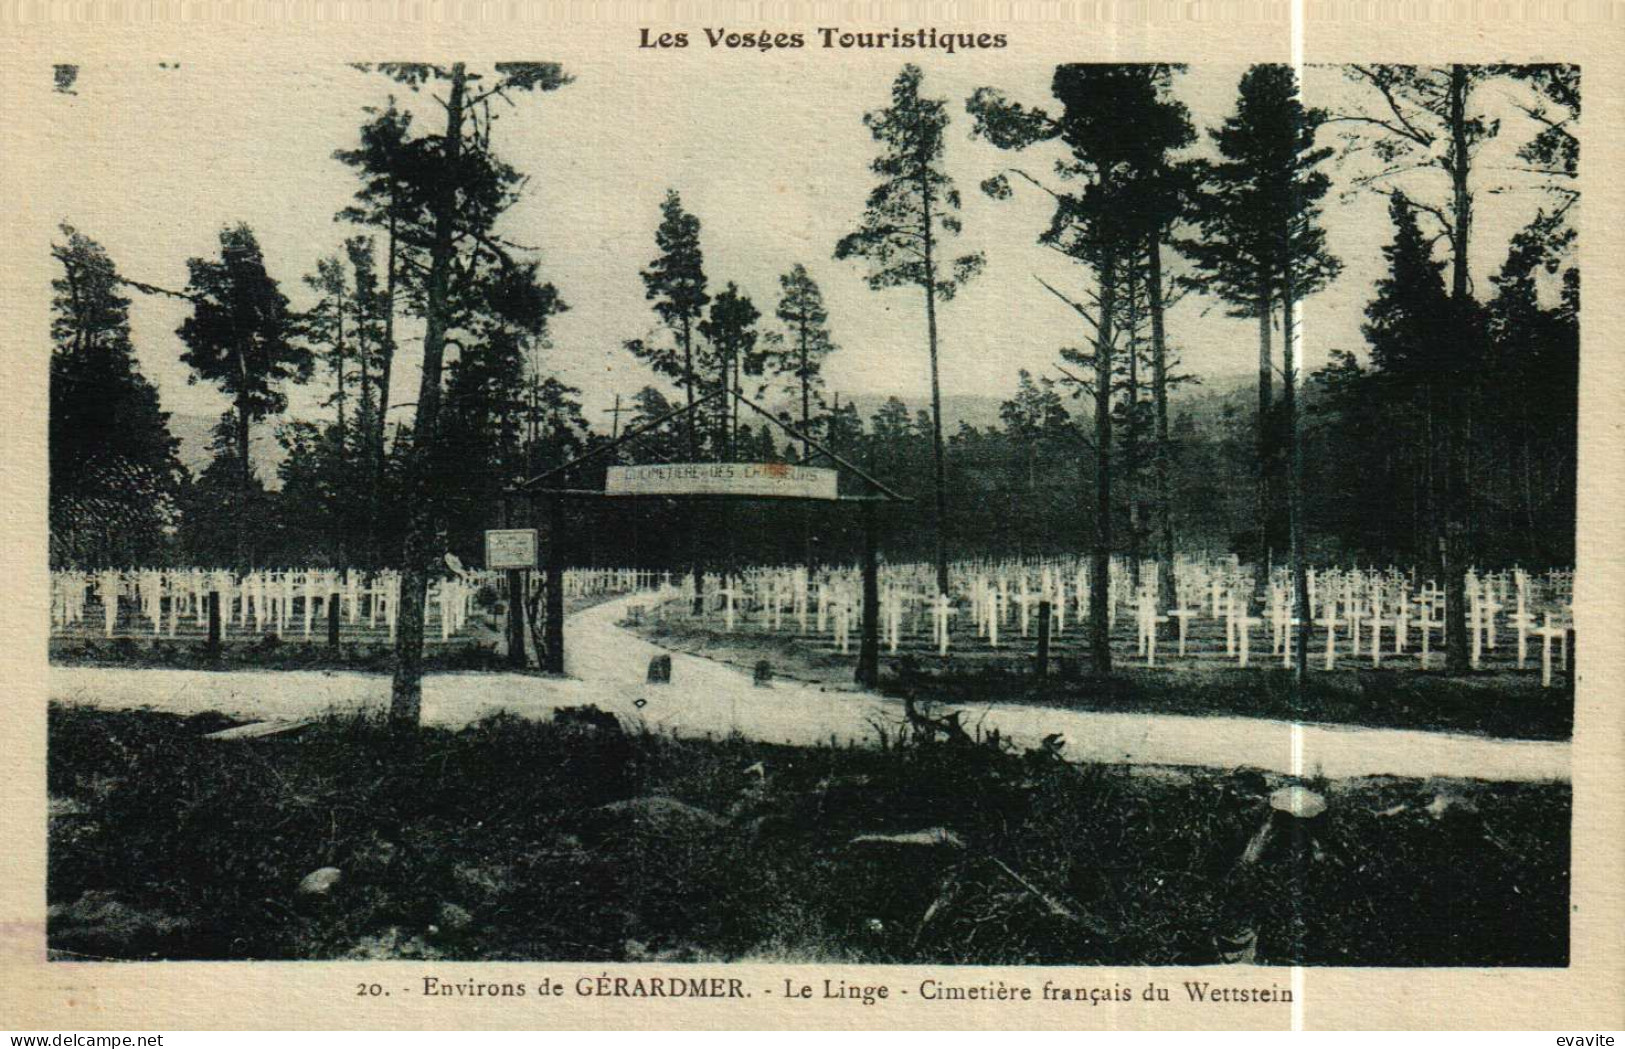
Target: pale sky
x,y
772,157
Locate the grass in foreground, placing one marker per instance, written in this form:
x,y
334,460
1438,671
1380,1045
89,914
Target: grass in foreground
x,y
1505,705
270,653
572,840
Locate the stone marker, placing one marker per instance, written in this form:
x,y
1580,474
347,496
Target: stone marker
x,y
260,728
1286,803
321,882
660,670
931,837
763,676
1237,945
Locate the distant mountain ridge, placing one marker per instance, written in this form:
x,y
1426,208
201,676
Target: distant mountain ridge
x,y
975,409
981,410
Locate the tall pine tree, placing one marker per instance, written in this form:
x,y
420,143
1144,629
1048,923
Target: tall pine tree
x,y
675,283
114,475
456,188
240,337
908,215
1116,128
798,355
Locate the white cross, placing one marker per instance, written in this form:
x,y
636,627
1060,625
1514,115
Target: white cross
x,y
1288,628
1027,600
1489,607
1243,625
1475,624
727,593
1429,625
1148,627
1329,620
108,587
1376,628
1547,632
1184,617
1525,623
941,610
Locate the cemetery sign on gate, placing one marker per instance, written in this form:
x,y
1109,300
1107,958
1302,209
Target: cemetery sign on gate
x,y
510,548
769,480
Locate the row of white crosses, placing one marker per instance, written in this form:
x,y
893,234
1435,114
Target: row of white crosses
x,y
589,582
1488,596
1364,613
263,601
68,590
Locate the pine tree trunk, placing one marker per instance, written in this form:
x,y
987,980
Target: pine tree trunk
x,y
338,371
406,694
688,392
690,518
806,396
245,483
1266,407
1131,425
724,447
364,410
1100,640
343,433
806,449
940,474
1454,545
379,454
1167,584
1295,501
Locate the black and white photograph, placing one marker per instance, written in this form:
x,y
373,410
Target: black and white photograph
x,y
726,504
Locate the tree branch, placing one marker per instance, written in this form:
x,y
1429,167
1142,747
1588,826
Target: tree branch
x,y
1077,308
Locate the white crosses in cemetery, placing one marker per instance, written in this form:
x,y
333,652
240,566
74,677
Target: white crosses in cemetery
x,y
942,611
1430,618
994,606
1147,621
173,603
1386,616
1375,609
1328,619
1523,619
1241,625
892,612
1547,632
1184,616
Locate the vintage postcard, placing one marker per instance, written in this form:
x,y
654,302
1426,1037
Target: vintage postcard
x,y
811,516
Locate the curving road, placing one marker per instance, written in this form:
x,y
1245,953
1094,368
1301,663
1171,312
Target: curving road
x,y
607,666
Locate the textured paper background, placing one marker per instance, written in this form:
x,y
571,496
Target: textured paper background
x,y
239,38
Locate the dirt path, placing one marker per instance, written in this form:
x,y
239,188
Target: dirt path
x,y
607,666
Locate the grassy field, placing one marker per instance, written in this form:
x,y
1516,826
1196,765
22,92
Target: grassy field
x,y
572,839
271,653
1490,703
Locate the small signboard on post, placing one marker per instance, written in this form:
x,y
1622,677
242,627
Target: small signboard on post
x,y
510,548
761,480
